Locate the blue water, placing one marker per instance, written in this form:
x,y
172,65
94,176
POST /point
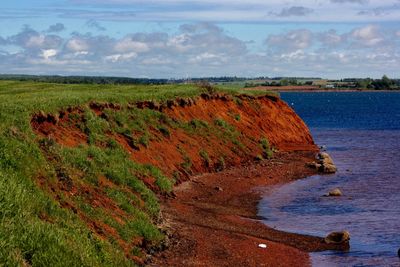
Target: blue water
x,y
361,131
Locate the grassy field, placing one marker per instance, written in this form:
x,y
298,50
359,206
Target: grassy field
x,y
48,192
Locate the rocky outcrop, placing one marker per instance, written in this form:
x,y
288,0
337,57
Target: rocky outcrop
x,y
324,163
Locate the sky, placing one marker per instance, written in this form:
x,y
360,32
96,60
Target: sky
x,y
201,38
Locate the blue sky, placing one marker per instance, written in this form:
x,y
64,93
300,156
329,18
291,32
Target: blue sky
x,y
179,38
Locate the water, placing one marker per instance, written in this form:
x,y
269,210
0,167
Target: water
x,y
361,131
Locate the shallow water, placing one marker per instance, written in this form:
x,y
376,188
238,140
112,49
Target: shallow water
x,y
361,131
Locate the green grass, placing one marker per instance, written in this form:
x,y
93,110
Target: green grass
x,y
267,151
206,158
34,227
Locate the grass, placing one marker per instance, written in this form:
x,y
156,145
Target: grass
x,y
206,158
35,227
267,151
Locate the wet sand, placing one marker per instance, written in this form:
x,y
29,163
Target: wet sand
x,y
212,219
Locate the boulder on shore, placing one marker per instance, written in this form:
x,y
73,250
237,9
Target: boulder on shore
x,y
335,193
325,163
328,168
337,237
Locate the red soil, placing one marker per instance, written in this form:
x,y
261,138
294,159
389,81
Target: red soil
x,y
210,227
62,127
213,219
259,118
264,116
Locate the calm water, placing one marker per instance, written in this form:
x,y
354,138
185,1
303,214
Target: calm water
x,y
361,131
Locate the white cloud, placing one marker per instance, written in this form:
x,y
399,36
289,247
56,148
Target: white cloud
x,y
290,41
204,57
204,49
296,55
48,53
77,45
121,57
331,38
35,41
129,45
368,35
180,42
156,61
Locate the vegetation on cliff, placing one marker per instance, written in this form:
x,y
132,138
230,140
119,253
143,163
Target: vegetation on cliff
x,y
82,167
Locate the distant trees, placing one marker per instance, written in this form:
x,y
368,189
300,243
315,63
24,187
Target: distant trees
x,y
286,82
82,79
364,83
385,83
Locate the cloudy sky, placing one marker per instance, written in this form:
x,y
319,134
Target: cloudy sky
x,y
198,38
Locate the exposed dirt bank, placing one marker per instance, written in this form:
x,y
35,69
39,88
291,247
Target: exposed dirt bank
x,y
206,132
213,219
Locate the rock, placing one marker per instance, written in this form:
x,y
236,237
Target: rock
x,y
323,155
218,188
262,245
313,165
326,163
337,237
328,168
335,193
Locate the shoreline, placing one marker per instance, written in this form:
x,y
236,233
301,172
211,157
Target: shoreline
x,y
306,89
212,219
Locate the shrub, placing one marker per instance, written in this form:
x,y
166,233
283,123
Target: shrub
x,y
206,87
220,165
267,152
164,130
204,155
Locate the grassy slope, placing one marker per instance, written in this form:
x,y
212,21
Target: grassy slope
x,y
34,228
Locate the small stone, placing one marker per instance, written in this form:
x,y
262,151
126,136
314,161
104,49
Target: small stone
x,y
218,188
337,237
262,245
